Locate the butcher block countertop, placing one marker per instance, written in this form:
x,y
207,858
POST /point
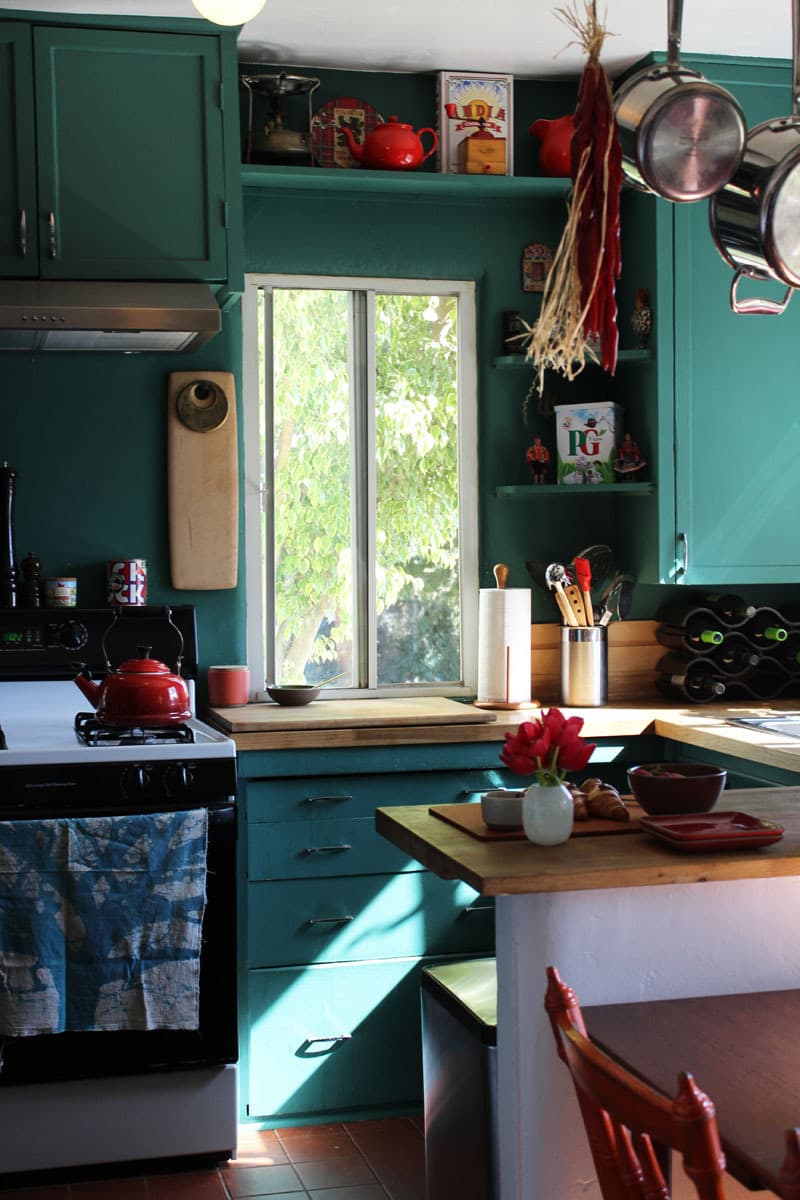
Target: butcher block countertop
x,y
502,868
332,724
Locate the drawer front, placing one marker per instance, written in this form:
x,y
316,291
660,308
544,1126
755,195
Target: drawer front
x,y
315,798
326,1039
314,849
370,916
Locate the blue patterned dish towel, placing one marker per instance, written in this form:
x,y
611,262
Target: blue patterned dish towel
x,y
101,921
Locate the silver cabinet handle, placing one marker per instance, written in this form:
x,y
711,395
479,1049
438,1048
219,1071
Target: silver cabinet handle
x,y
51,225
327,849
327,799
328,920
335,1037
22,232
472,791
478,908
683,566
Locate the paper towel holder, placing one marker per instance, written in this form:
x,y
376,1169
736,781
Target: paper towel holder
x,y
500,571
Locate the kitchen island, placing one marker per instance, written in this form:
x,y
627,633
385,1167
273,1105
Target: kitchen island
x,y
624,919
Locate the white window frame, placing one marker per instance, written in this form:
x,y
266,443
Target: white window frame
x,y
258,495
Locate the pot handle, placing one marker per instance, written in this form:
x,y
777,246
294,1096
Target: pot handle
x,y
675,21
434,143
757,305
167,613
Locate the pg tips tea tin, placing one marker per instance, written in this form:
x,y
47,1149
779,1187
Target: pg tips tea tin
x,y
127,581
587,440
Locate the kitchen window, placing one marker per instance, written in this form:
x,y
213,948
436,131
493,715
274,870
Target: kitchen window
x,y
361,483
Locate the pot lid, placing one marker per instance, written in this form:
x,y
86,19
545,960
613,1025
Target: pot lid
x,y
143,665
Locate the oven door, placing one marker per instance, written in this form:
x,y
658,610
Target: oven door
x,y
61,1056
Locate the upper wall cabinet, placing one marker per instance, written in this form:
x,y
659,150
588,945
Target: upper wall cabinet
x,y
125,176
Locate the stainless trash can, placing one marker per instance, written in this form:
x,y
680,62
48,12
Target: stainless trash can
x,y
459,1069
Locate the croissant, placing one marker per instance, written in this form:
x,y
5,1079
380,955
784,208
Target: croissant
x,y
580,811
603,800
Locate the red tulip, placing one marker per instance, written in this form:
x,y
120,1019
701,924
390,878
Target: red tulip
x,y
548,747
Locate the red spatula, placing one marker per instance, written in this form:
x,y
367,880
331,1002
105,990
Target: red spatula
x,y
583,576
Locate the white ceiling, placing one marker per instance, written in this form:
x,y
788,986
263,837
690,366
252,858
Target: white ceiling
x,y
520,37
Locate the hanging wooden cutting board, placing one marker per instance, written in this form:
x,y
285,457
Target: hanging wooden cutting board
x,y
202,480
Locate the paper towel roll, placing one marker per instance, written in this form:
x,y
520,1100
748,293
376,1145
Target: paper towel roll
x,y
504,646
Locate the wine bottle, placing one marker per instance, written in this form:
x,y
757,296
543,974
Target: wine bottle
x,y
734,657
766,628
697,630
768,679
698,683
729,607
788,653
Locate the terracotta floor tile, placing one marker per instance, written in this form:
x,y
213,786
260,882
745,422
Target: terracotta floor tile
x,y
318,1146
371,1191
111,1189
346,1171
187,1185
259,1148
261,1181
295,1131
402,1183
387,1141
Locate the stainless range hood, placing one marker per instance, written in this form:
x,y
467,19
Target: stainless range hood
x,y
127,317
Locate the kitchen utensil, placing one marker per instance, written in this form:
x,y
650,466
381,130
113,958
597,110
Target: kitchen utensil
x,y
600,559
583,574
393,146
754,217
681,136
328,146
615,603
677,788
575,601
141,692
536,568
275,143
555,575
202,483
715,831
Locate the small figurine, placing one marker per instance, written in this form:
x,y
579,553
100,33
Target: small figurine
x,y
629,459
642,318
538,458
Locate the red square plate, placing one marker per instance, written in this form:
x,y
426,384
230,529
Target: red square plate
x,y
699,832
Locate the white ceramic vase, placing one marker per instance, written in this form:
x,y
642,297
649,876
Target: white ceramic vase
x,y
547,814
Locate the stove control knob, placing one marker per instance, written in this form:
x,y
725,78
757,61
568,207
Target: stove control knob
x,y
135,780
178,779
72,635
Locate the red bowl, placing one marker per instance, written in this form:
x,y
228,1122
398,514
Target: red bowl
x,y
683,788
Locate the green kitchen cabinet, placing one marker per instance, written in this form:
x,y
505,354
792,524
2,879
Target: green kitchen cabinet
x,y
337,924
128,175
737,438
18,232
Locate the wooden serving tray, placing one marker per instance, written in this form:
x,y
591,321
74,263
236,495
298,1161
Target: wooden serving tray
x,y
469,818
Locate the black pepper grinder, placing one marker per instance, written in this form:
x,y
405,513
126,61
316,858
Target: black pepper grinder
x,y
31,585
8,558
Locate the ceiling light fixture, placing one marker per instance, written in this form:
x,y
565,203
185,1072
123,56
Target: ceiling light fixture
x,y
229,12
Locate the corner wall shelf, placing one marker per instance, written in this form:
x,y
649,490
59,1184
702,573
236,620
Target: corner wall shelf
x,y
630,358
530,491
433,184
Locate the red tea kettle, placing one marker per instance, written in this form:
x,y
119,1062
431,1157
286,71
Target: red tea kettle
x,y
392,146
141,692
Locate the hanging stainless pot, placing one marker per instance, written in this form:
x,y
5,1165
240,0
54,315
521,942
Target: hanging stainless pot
x,y
681,136
755,218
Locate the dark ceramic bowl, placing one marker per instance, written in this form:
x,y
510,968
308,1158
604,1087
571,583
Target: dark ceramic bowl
x,y
292,697
683,788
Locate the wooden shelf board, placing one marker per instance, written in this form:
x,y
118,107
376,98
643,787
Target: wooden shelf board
x,y
361,181
506,362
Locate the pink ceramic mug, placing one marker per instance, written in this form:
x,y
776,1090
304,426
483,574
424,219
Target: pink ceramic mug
x,y
228,687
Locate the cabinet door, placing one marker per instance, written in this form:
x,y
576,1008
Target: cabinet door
x,y
18,248
131,178
737,437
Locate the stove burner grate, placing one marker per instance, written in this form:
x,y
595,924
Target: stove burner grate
x,y
89,731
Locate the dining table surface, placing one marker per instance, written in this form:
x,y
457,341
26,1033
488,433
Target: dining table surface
x,y
744,1053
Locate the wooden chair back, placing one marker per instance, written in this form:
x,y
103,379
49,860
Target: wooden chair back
x,y
624,1117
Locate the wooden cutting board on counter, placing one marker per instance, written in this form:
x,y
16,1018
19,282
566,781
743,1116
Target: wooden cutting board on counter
x,y
332,714
202,480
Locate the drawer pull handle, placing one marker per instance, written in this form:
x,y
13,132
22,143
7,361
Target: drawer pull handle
x,y
22,232
327,799
334,1037
51,225
471,792
328,920
478,908
327,849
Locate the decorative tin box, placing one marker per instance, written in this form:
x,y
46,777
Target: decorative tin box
x,y
468,104
587,440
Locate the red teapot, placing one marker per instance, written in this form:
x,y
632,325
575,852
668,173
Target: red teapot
x,y
392,146
141,694
554,152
